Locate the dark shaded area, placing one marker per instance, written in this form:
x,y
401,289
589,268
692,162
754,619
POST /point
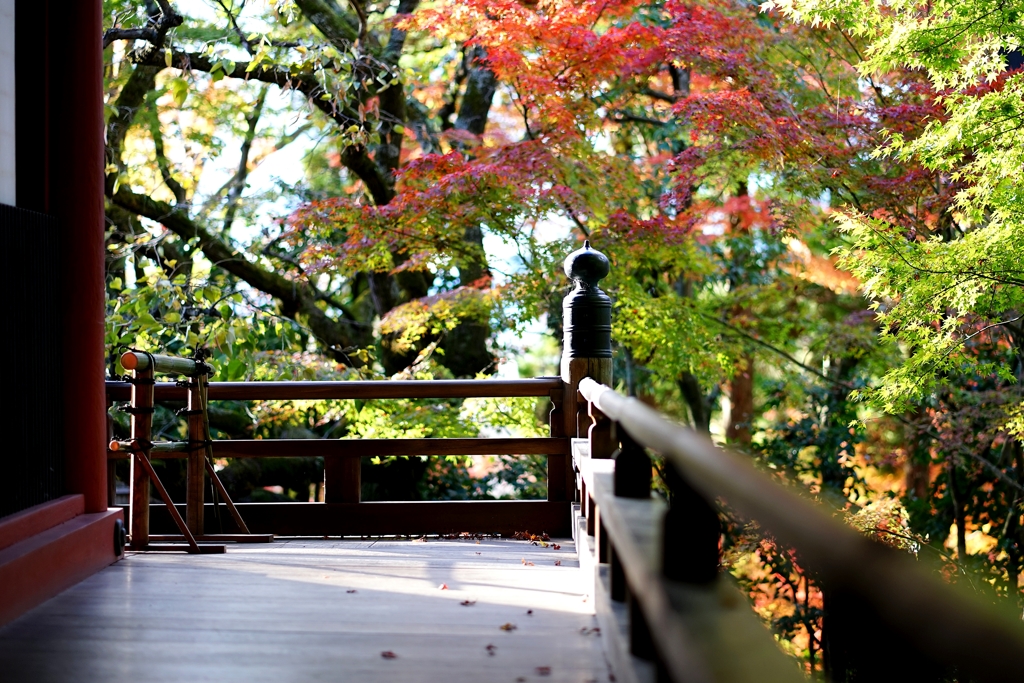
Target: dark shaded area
x,y
33,457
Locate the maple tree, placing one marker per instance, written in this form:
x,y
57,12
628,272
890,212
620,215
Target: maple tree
x,y
705,146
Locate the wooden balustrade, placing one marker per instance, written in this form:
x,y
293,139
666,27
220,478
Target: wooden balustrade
x,y
346,514
663,562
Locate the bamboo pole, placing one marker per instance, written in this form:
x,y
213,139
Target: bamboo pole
x,y
161,365
129,445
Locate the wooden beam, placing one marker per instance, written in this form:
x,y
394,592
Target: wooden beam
x,y
318,391
357,448
504,517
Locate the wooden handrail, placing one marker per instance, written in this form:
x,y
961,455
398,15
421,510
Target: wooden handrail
x,y
946,624
357,448
297,391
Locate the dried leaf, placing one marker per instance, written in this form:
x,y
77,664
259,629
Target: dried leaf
x,y
388,654
529,612
555,546
508,627
467,603
490,649
443,587
351,590
558,563
478,552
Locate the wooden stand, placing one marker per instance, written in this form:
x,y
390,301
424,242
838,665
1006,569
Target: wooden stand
x,y
200,460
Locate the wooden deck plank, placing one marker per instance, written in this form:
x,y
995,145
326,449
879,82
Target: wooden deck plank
x,y
283,612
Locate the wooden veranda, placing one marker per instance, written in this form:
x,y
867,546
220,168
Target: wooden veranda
x,y
623,586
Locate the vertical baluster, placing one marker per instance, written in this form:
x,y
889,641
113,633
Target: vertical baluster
x,y
196,471
601,434
692,530
632,467
616,575
142,433
640,643
342,479
560,473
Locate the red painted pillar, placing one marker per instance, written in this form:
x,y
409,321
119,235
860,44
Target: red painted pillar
x,y
75,197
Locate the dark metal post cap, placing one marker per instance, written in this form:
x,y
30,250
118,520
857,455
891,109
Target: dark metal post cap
x,y
587,265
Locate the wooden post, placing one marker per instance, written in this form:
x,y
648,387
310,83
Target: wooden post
x,y
196,481
142,432
111,474
587,346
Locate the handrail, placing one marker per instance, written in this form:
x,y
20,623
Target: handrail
x,y
361,389
942,622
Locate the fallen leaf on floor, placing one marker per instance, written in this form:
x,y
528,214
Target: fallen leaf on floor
x,y
478,542
529,612
543,670
590,631
508,627
351,590
388,654
421,539
443,587
558,563
477,552
467,603
556,547
545,537
528,564
490,650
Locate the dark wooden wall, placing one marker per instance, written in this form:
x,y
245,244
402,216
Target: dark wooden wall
x,y
31,340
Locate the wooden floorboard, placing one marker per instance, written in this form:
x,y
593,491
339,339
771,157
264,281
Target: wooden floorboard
x,y
284,612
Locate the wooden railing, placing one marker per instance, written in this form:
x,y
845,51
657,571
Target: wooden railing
x,y
667,609
343,512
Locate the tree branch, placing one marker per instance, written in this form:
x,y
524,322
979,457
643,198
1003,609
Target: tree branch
x,y
355,157
338,337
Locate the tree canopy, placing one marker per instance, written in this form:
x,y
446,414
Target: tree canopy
x,y
810,208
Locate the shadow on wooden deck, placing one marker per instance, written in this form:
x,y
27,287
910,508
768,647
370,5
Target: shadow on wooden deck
x,y
319,610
